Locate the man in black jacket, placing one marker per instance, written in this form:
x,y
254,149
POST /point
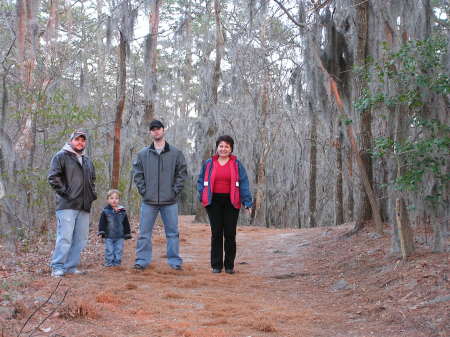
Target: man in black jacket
x,y
159,173
72,177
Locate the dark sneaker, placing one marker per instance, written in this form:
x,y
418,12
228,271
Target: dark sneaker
x,y
138,267
176,267
229,271
216,270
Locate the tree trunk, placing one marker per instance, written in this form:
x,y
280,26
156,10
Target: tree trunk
x,y
338,205
26,60
150,60
211,101
405,231
312,168
365,116
100,63
6,143
366,183
440,235
219,51
350,198
21,9
187,69
333,91
365,178
401,134
119,111
51,33
258,215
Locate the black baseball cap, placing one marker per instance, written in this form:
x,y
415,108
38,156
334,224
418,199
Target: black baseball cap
x,y
156,124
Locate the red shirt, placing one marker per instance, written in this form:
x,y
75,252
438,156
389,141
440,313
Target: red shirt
x,y
222,182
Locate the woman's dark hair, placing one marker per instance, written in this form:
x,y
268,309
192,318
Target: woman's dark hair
x,y
227,139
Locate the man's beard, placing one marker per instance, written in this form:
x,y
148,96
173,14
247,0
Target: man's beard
x,y
78,151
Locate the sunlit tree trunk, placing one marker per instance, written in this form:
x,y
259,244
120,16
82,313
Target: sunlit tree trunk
x,y
51,32
21,9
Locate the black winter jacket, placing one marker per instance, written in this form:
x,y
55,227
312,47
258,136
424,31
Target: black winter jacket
x,y
159,178
114,224
73,183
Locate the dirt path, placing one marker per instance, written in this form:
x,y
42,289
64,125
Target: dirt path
x,y
285,285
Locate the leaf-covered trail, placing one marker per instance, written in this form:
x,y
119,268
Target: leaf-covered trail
x,y
285,285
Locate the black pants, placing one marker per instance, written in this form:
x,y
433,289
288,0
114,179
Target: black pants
x,y
223,218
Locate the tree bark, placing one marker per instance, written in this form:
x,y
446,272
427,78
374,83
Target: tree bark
x,y
211,101
366,182
258,215
51,33
365,178
440,235
333,91
119,111
187,68
21,9
350,198
100,63
405,231
150,61
312,168
365,117
219,51
338,206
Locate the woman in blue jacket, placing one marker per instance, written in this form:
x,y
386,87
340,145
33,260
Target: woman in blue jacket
x,y
223,186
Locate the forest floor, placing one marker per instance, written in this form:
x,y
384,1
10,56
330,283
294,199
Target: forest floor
x,y
288,282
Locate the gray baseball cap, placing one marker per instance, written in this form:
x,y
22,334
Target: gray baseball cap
x,y
78,133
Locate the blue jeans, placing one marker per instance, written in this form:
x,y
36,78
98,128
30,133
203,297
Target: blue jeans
x,y
113,252
169,214
72,230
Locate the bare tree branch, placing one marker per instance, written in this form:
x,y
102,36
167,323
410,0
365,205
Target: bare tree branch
x,y
9,51
289,15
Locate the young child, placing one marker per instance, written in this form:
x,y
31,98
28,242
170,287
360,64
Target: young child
x,y
115,228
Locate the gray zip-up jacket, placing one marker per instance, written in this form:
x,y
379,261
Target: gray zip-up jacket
x,y
159,178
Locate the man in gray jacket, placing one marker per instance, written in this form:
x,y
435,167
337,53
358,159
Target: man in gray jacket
x,y
159,172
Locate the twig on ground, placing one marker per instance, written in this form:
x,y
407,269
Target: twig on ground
x,y
39,308
51,313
